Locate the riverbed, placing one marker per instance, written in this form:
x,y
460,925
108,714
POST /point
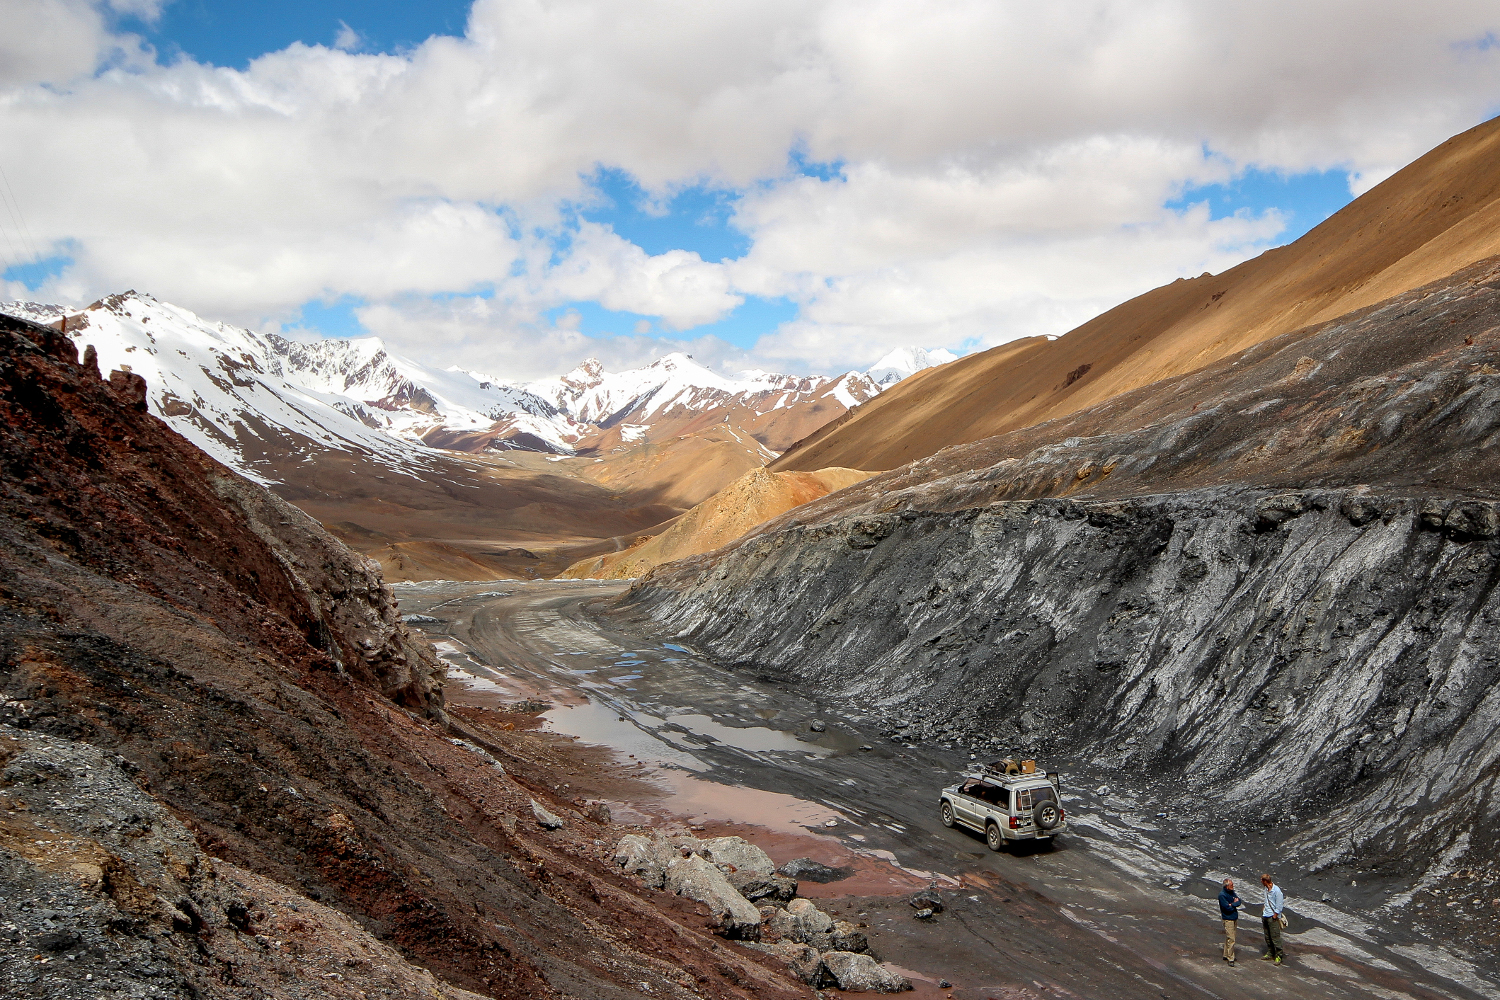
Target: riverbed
x,y
1120,905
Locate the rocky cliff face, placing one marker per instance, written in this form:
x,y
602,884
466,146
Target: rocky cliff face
x,y
1273,581
226,764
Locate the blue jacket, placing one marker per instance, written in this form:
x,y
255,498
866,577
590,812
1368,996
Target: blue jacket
x,y
1229,905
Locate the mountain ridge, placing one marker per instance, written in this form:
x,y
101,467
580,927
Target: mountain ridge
x,y
1428,220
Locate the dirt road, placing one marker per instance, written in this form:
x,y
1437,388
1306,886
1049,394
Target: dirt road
x,y
1119,906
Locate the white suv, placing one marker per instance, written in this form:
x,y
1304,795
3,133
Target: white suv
x,y
1004,802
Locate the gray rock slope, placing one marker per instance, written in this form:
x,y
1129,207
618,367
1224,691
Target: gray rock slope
x,y
1276,584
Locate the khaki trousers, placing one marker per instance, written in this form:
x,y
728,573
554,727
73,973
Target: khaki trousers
x,y
1229,928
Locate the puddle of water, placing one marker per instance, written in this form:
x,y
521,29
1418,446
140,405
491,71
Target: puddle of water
x,y
706,801
479,684
756,739
602,724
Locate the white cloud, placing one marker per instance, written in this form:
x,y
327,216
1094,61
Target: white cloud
x,y
1004,168
347,39
493,336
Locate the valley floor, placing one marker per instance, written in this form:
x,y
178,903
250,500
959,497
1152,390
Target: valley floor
x,y
1122,905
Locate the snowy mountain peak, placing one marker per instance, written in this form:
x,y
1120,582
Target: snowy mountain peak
x,y
907,361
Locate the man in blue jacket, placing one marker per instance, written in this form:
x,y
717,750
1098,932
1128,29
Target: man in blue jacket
x,y
1270,918
1229,910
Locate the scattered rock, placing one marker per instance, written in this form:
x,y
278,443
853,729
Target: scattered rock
x,y
767,888
818,726
599,812
736,851
421,620
777,924
861,974
546,820
924,914
847,937
808,870
646,858
696,879
813,926
943,984
926,900
805,961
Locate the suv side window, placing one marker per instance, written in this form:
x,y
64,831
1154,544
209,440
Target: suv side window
x,y
995,795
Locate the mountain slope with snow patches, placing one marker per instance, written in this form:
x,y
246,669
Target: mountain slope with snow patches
x,y
231,391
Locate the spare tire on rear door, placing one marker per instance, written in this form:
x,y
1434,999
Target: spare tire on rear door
x,y
1046,815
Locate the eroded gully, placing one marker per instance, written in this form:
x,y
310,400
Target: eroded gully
x,y
1121,905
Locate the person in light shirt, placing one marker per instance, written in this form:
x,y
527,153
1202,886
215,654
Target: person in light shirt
x,y
1270,918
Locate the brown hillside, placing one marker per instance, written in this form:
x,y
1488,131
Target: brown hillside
x,y
1430,219
749,501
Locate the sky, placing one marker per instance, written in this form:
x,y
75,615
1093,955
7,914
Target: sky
x,y
792,185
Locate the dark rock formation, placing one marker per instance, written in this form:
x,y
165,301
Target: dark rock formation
x,y
1274,580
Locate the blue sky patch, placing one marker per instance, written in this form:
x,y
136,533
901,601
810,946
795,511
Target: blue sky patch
x,y
753,319
1304,199
36,273
695,218
333,319
233,32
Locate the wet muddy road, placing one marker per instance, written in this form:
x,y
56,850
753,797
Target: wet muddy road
x,y
1120,906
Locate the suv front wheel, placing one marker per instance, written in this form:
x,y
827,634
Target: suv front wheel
x,y
993,837
946,812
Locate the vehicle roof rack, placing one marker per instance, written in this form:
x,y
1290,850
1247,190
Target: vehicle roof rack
x,y
1007,769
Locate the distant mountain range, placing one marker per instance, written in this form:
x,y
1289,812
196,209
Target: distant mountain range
x,y
252,399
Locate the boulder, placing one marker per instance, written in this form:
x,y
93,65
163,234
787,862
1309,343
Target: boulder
x,y
696,879
847,937
644,857
806,963
861,974
813,926
545,819
777,925
927,899
765,888
737,851
808,870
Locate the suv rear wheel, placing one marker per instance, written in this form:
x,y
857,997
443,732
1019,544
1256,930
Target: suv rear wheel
x,y
946,812
993,837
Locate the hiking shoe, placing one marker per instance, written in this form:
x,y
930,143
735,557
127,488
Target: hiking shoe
x,y
1278,959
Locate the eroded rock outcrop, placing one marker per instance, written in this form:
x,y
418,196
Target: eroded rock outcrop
x,y
253,679
1282,592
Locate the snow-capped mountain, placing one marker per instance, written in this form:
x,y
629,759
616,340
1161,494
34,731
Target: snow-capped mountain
x,y
675,384
231,391
907,361
252,400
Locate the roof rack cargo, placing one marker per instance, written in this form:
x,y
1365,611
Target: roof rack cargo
x,y
1009,769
